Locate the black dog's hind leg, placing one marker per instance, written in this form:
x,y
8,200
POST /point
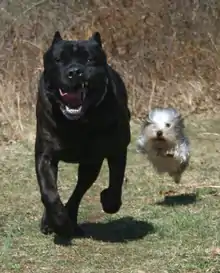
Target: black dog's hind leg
x,y
111,197
87,174
55,217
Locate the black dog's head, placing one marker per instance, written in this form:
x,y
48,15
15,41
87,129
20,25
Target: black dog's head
x,y
76,74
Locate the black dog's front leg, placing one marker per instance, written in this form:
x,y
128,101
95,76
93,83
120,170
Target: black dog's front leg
x,y
111,197
87,174
55,217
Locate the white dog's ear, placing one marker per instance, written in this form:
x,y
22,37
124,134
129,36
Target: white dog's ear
x,y
148,119
180,120
179,116
145,123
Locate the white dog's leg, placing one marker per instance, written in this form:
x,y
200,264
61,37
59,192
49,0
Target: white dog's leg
x,y
176,177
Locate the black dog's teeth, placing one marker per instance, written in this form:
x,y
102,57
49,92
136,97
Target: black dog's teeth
x,y
85,84
73,111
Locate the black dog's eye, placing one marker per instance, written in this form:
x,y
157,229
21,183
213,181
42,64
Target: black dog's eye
x,y
90,60
57,59
167,125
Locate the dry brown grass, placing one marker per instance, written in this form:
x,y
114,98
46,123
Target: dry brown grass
x,y
167,51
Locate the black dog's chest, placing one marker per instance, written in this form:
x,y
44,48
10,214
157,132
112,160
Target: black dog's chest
x,y
87,144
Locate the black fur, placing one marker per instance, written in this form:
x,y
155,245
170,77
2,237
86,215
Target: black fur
x,y
101,131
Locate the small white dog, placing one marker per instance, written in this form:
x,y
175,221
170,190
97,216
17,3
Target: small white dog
x,y
162,139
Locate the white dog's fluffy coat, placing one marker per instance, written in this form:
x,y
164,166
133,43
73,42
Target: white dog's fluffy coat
x,y
163,140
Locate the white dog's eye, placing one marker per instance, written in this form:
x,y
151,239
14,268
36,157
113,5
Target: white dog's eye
x,y
167,125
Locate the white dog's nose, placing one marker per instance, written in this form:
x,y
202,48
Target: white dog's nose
x,y
159,133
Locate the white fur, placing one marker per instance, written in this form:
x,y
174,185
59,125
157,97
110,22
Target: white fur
x,y
173,153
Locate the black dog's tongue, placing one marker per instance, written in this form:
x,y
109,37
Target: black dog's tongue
x,y
72,99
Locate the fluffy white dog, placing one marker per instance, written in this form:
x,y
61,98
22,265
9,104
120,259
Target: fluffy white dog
x,y
163,140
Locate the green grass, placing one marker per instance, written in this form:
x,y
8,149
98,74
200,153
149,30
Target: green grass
x,y
152,233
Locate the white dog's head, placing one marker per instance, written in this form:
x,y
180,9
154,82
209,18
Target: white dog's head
x,y
161,130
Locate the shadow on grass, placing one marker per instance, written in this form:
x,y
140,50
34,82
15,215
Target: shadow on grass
x,y
118,231
181,199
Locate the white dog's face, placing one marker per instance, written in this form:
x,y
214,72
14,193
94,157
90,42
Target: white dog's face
x,y
160,130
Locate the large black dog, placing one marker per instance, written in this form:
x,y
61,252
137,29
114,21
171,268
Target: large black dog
x,y
82,117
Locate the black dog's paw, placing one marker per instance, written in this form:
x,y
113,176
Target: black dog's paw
x,y
58,222
78,232
66,240
110,202
45,228
65,228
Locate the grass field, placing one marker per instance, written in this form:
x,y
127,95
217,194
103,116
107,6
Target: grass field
x,y
160,228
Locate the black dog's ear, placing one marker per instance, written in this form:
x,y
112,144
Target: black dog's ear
x,y
97,37
57,37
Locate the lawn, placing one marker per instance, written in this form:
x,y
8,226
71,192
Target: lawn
x,y
161,227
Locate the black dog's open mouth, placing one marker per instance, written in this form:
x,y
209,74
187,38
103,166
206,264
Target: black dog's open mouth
x,y
72,102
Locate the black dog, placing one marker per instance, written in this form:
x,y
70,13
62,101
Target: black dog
x,y
82,117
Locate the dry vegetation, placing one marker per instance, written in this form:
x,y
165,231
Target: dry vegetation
x,y
167,51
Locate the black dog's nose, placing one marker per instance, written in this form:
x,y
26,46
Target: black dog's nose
x,y
159,133
74,71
